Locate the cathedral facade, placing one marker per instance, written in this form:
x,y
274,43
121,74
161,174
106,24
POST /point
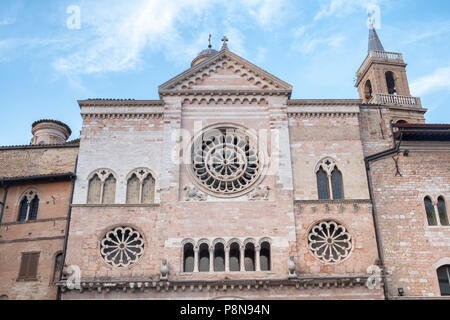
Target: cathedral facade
x,y
226,188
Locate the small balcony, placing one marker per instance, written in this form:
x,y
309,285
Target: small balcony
x,y
390,99
379,56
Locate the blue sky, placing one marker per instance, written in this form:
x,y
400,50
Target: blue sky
x,y
125,49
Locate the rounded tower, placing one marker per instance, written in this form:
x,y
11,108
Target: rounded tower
x,y
49,132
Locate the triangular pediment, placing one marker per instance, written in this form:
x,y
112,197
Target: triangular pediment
x,y
225,71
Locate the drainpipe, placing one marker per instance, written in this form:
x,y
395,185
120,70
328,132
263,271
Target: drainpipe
x,y
66,236
3,203
367,161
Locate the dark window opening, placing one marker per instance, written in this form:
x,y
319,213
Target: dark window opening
x,y
431,214
368,93
203,265
249,257
188,263
390,81
23,209
219,257
443,274
443,217
264,259
34,206
322,185
336,183
235,257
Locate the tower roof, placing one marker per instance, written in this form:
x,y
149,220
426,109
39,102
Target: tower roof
x,y
374,41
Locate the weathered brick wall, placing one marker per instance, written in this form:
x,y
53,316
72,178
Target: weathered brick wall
x,y
316,137
32,161
44,235
412,249
119,144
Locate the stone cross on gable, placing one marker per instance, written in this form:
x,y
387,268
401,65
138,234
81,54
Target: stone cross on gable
x,y
224,40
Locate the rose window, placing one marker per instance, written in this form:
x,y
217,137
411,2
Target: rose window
x,y
225,161
329,241
122,247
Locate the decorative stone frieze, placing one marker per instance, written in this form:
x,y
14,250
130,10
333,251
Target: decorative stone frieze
x,y
260,193
193,194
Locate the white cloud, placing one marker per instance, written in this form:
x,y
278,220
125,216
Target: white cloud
x,y
343,7
438,80
308,44
116,37
265,12
7,21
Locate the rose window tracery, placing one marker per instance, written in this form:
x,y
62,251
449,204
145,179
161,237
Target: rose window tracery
x,y
225,161
329,241
122,247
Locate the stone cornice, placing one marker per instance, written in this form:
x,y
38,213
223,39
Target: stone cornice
x,y
123,115
33,221
120,111
141,285
151,205
119,102
324,102
33,239
225,92
347,201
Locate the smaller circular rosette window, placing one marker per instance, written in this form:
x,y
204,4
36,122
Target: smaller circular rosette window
x,y
225,161
122,247
329,242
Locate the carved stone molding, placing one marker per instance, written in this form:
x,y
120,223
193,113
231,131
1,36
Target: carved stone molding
x,y
151,284
260,193
193,194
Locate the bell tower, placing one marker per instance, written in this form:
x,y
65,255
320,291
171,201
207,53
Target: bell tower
x,y
382,79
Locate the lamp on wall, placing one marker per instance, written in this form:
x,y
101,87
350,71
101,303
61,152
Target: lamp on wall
x,y
401,293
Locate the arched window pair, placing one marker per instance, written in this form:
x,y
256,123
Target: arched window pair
x,y
431,212
140,187
28,208
102,187
443,274
222,258
329,180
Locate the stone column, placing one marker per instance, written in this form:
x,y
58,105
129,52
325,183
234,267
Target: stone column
x,y
211,259
227,259
242,252
196,259
257,256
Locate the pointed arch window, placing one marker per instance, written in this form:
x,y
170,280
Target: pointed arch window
x,y
443,274
442,210
390,82
329,180
102,187
141,187
431,213
28,207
